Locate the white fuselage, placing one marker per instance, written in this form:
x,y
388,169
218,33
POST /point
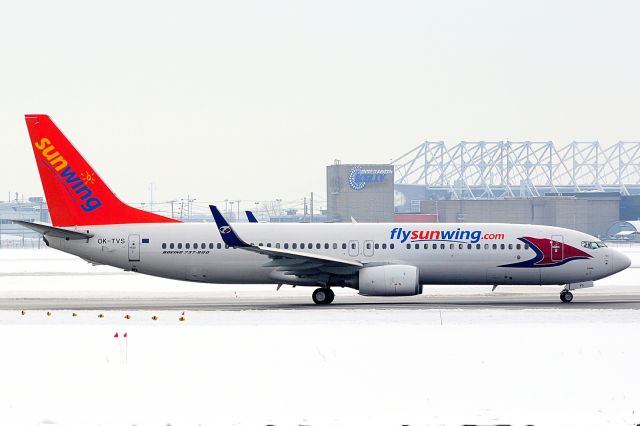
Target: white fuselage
x,y
477,254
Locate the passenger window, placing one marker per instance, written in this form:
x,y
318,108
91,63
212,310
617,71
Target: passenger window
x,y
268,244
260,244
460,246
171,245
210,246
335,246
294,246
179,245
526,246
510,246
469,246
277,245
486,246
226,247
318,245
310,246
426,246
353,246
219,246
391,246
301,246
344,246
384,246
186,245
195,246
502,246
495,246
376,246
164,245
518,246
326,246
417,246
478,246
450,246
435,246
408,246
286,245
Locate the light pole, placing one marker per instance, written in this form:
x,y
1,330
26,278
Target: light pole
x,y
231,202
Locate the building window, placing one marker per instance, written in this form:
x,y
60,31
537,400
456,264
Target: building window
x,y
415,206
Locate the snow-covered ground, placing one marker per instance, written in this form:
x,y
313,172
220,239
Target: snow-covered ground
x,y
289,367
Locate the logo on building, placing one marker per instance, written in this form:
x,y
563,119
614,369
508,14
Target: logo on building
x,y
360,178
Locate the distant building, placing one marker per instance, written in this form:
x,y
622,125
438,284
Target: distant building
x,y
363,192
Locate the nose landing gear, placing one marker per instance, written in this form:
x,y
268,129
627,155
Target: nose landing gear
x,y
566,296
323,296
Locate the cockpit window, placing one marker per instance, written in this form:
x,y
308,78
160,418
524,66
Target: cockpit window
x,y
593,245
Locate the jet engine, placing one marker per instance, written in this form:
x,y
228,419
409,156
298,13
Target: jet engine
x,y
389,280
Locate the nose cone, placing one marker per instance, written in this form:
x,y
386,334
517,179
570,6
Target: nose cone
x,y
620,261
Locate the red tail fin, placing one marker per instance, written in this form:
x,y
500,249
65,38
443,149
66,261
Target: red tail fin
x,y
75,193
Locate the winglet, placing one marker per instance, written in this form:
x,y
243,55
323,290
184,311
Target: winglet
x,y
250,217
227,233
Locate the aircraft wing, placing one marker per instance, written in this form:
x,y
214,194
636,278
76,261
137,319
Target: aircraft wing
x,y
290,262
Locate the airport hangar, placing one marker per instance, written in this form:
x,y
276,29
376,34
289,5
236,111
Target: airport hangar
x,y
581,186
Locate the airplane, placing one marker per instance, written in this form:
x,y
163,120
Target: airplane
x,y
376,259
250,216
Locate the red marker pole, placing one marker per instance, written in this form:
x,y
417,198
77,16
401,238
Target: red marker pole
x,y
126,348
120,346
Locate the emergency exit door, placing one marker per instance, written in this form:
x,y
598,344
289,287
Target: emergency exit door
x,y
134,248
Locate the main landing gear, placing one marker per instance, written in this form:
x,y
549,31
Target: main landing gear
x,y
323,296
566,296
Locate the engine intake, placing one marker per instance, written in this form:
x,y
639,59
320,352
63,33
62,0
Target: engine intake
x,y
389,280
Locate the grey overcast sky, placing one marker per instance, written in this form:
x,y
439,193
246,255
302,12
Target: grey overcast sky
x,y
252,99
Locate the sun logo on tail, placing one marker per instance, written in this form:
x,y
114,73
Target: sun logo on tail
x,y
88,177
225,229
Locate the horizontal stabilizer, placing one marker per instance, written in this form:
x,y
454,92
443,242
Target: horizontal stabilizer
x,y
52,231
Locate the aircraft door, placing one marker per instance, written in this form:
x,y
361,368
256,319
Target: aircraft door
x,y
557,247
134,248
368,248
354,248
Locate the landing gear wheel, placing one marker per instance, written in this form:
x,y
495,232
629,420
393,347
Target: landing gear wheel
x,y
323,296
566,296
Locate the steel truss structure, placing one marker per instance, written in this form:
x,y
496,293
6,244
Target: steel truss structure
x,y
482,170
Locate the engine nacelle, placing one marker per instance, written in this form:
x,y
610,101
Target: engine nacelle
x,y
389,280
